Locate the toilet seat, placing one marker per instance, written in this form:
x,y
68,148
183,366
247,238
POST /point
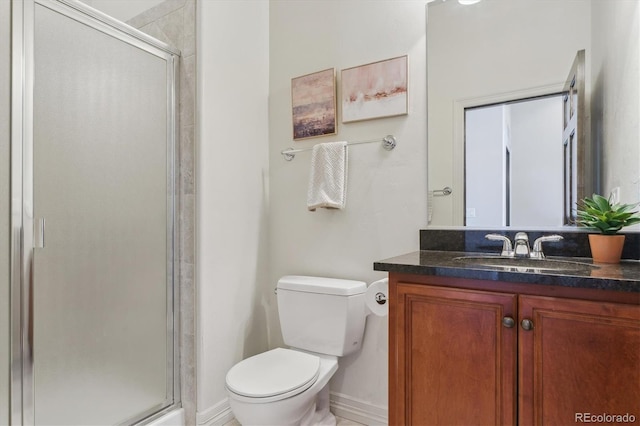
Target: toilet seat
x,y
273,375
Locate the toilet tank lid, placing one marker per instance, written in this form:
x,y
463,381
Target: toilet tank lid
x,y
322,285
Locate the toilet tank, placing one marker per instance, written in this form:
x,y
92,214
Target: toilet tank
x,y
323,315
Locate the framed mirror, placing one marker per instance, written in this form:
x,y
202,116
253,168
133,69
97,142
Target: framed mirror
x,y
504,55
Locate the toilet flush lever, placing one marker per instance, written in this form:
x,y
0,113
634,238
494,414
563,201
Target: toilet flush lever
x,y
381,298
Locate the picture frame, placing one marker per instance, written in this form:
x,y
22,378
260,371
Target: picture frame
x,y
313,101
375,90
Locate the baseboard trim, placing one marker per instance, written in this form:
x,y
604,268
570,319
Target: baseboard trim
x,y
216,415
357,410
341,405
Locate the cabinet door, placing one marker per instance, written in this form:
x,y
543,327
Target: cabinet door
x,y
580,359
452,360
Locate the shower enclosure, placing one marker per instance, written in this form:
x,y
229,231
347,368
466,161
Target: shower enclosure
x,y
93,238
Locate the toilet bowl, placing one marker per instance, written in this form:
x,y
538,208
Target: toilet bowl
x,y
321,319
282,387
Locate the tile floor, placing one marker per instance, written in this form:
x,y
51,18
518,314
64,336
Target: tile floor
x,y
344,422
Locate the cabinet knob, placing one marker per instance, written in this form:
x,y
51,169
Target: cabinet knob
x,y
508,322
527,324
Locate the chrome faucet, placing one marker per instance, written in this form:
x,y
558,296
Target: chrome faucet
x,y
520,246
507,250
537,245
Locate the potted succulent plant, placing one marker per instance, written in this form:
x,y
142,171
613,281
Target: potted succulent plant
x,y
599,214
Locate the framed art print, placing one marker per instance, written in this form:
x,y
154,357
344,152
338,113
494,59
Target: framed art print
x,y
374,90
313,101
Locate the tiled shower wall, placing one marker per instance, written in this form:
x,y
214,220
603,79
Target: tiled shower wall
x,y
174,22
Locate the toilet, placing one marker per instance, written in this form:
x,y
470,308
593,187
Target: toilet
x,y
321,319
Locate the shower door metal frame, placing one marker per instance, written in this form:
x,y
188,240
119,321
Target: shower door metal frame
x,y
22,409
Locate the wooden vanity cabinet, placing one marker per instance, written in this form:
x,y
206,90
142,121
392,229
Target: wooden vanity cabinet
x,y
460,355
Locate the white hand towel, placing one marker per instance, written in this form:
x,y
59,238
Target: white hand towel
x,y
328,176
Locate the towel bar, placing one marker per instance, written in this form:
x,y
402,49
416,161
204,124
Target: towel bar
x,y
388,143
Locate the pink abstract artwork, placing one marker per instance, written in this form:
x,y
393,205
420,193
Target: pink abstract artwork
x,y
374,90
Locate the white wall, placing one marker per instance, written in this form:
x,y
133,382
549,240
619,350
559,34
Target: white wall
x,y
616,94
386,200
232,182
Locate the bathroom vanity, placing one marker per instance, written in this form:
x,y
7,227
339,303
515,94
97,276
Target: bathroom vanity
x,y
472,342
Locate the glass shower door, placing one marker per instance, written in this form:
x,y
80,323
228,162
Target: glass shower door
x,y
102,287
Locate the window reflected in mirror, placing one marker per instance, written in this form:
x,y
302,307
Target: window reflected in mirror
x,y
523,136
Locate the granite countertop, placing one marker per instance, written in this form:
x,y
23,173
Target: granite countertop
x,y
620,277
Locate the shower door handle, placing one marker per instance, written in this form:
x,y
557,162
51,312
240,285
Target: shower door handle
x,y
38,233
